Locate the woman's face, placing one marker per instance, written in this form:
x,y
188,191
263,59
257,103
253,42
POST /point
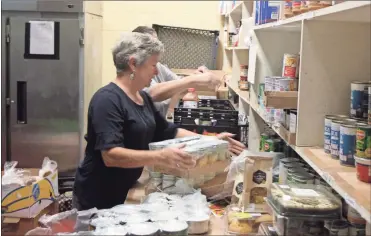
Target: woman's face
x,y
145,72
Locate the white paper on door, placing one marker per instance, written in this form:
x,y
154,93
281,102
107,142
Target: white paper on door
x,y
42,37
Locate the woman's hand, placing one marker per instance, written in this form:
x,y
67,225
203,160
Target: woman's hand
x,y
175,157
235,146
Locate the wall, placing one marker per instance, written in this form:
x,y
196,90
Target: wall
x,y
119,16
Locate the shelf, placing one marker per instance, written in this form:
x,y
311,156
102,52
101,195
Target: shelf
x,y
341,178
281,99
244,95
237,48
350,11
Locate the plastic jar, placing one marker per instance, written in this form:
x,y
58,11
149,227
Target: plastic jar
x,y
190,100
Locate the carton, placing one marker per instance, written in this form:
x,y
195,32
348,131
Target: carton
x,y
28,201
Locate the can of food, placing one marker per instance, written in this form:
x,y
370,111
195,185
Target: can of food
x,y
263,137
288,9
363,167
290,67
347,144
293,121
339,228
269,145
357,229
335,137
363,140
359,100
286,84
369,105
269,83
296,7
327,133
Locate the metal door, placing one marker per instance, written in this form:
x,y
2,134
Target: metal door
x,y
44,95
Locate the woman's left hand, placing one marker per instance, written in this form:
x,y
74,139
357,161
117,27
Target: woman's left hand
x,y
235,146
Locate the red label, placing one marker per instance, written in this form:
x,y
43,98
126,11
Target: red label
x,y
289,72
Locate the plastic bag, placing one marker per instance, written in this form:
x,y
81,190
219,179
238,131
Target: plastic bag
x,y
83,219
40,231
47,167
12,175
63,222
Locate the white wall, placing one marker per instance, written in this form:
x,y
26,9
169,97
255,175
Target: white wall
x,y
119,16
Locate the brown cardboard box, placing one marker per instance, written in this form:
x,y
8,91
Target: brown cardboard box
x,y
216,186
20,226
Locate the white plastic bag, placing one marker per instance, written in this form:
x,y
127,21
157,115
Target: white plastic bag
x,y
47,167
12,175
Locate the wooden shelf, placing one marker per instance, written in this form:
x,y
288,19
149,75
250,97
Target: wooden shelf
x,y
342,179
244,95
281,100
237,48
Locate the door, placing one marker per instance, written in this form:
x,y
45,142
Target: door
x,y
44,94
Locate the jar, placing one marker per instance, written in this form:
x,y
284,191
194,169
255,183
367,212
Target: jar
x,y
243,84
244,70
282,170
203,158
293,171
190,100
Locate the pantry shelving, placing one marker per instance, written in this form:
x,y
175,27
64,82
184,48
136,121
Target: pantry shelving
x,y
334,47
281,99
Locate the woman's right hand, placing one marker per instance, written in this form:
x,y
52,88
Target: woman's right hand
x,y
175,157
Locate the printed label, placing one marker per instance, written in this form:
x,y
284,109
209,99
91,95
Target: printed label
x,y
259,177
190,104
305,192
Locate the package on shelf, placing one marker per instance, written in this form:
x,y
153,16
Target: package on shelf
x,y
239,222
26,192
296,204
258,178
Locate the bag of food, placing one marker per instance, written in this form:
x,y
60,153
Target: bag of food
x,y
257,181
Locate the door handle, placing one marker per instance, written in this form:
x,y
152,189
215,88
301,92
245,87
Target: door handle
x,y
21,102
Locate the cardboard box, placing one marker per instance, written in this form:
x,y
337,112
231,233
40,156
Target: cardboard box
x,y
16,226
194,172
28,201
216,186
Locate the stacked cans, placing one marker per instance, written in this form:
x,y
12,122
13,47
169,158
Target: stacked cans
x,y
341,138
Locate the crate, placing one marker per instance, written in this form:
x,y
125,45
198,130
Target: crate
x,y
213,116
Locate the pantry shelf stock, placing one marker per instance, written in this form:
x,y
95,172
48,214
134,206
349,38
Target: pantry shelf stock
x,y
281,99
341,178
244,95
353,11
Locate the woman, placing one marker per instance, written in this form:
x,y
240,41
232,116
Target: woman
x,y
122,121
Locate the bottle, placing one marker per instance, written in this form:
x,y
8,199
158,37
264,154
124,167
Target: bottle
x,y
190,100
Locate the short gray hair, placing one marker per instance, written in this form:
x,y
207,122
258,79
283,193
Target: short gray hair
x,y
140,46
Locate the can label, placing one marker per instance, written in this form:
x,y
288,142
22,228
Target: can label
x,y
363,139
263,137
347,145
335,139
327,134
290,66
268,146
286,85
359,100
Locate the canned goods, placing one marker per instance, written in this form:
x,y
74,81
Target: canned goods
x,y
269,83
327,133
363,140
243,84
296,7
359,100
263,137
347,144
269,145
290,67
335,138
369,105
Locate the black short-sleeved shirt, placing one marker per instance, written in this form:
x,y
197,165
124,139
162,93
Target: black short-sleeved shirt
x,y
114,120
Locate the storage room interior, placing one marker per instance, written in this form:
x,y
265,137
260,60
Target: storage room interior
x,y
269,100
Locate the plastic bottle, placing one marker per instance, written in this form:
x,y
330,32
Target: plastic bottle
x,y
190,100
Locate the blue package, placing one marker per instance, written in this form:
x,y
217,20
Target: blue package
x,y
271,14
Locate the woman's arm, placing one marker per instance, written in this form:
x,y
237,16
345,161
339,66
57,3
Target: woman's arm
x,y
165,90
